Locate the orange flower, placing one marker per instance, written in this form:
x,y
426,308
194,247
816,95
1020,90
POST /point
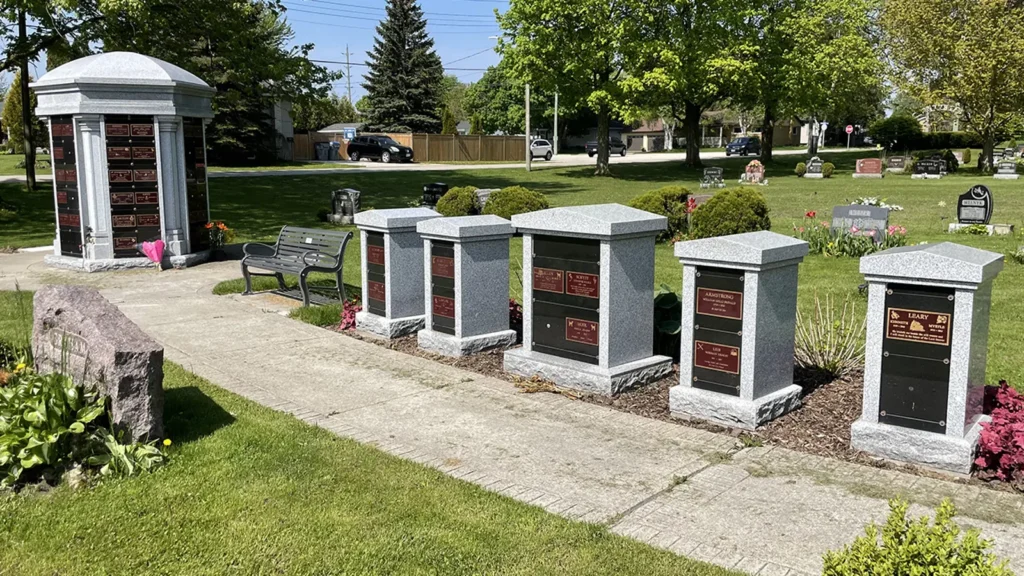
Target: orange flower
x,y
221,226
209,225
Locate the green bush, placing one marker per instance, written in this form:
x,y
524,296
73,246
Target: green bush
x,y
801,168
668,201
732,211
899,131
915,547
967,156
827,169
513,200
459,202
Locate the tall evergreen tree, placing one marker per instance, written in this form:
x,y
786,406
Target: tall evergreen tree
x,y
404,82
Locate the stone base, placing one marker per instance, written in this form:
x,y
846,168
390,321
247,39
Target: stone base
x,y
388,328
587,377
875,176
927,449
816,176
448,345
1006,176
993,229
895,170
686,401
114,264
926,177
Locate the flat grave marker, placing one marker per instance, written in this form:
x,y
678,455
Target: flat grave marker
x,y
861,220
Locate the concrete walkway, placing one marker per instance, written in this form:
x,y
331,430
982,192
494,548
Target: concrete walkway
x,y
760,510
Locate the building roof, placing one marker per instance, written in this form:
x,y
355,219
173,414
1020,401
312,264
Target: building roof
x,y
122,68
339,127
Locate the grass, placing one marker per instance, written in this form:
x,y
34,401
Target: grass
x,y
8,162
282,165
253,491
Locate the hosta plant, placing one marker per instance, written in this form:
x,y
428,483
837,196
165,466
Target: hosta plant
x,y
831,340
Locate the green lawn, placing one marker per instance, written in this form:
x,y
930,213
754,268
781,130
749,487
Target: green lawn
x,y
8,161
283,165
253,491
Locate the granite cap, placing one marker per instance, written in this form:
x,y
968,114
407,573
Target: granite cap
x,y
122,69
466,227
393,220
748,249
943,262
594,220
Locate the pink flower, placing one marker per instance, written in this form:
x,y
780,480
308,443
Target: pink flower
x,y
854,229
801,228
872,233
825,224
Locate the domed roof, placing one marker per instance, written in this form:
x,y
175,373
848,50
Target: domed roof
x,y
122,68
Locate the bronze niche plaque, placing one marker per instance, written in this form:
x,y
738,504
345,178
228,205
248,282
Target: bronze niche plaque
x,y
116,176
122,221
125,243
582,331
375,255
147,198
580,284
145,175
718,357
917,326
144,153
148,219
117,130
121,198
720,303
444,306
119,153
58,153
62,197
142,130
442,266
63,129
377,291
548,280
71,220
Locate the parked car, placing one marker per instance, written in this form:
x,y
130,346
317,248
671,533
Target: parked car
x,y
743,146
381,148
615,146
541,149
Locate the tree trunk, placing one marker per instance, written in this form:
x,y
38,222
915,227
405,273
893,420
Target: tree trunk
x,y
768,134
987,159
691,121
812,140
27,112
669,133
603,119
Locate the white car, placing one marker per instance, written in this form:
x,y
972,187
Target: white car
x,y
541,149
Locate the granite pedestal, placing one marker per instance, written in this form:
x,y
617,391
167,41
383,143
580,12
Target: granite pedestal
x,y
926,349
466,275
588,313
392,256
738,328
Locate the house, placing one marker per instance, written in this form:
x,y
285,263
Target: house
x,y
462,128
337,131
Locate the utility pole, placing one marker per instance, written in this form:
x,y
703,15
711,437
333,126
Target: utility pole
x,y
348,74
555,149
529,153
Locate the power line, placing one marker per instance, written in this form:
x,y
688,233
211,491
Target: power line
x,y
344,27
364,64
365,8
371,19
470,56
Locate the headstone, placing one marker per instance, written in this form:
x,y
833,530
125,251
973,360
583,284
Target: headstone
x,y
975,206
588,288
738,327
713,178
392,257
78,331
925,355
861,221
344,206
959,157
466,273
868,168
754,173
433,192
897,164
929,168
484,194
1020,152
1006,169
1008,153
814,168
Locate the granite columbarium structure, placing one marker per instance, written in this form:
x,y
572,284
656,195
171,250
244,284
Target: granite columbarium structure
x,y
588,278
127,136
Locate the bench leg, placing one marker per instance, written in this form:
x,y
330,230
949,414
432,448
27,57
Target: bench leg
x,y
248,280
280,281
305,290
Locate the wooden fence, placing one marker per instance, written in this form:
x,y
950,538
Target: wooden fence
x,y
430,147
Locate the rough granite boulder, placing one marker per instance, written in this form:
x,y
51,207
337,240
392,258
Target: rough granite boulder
x,y
78,331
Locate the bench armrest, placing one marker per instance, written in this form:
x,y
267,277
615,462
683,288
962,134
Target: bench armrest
x,y
322,256
257,249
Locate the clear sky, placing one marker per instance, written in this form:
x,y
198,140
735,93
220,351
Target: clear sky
x,y
460,29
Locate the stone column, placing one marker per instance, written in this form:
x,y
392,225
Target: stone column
x,y
171,169
94,194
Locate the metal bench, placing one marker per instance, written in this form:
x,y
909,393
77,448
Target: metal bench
x,y
298,251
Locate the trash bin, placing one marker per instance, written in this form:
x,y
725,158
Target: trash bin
x,y
432,193
321,150
334,152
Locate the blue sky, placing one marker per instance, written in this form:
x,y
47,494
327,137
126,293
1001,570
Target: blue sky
x,y
460,29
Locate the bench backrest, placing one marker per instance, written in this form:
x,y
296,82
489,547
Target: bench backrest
x,y
294,242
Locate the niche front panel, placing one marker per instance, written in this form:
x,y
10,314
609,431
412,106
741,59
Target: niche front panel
x,y
65,181
195,184
132,181
567,297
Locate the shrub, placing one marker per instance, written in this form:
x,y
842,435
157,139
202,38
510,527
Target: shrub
x,y
513,200
952,164
731,211
670,202
668,315
915,547
801,168
974,230
831,340
1001,447
461,201
827,169
1017,255
897,131
967,156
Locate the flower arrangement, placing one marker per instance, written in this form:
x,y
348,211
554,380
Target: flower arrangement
x,y
219,233
853,243
881,203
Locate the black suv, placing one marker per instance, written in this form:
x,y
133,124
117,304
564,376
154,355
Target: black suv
x,y
381,148
743,146
615,146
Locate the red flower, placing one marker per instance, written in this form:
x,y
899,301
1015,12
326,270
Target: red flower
x,y
811,214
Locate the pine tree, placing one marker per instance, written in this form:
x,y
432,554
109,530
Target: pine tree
x,y
404,81
448,123
476,125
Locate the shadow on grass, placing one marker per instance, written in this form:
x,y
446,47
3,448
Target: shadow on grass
x,y
190,415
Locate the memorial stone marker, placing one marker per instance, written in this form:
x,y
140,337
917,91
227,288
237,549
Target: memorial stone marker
x,y
433,192
897,164
392,257
738,326
1006,169
345,205
868,168
713,178
1008,153
861,220
975,206
926,349
78,331
959,157
466,273
754,173
484,194
814,168
588,278
929,168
